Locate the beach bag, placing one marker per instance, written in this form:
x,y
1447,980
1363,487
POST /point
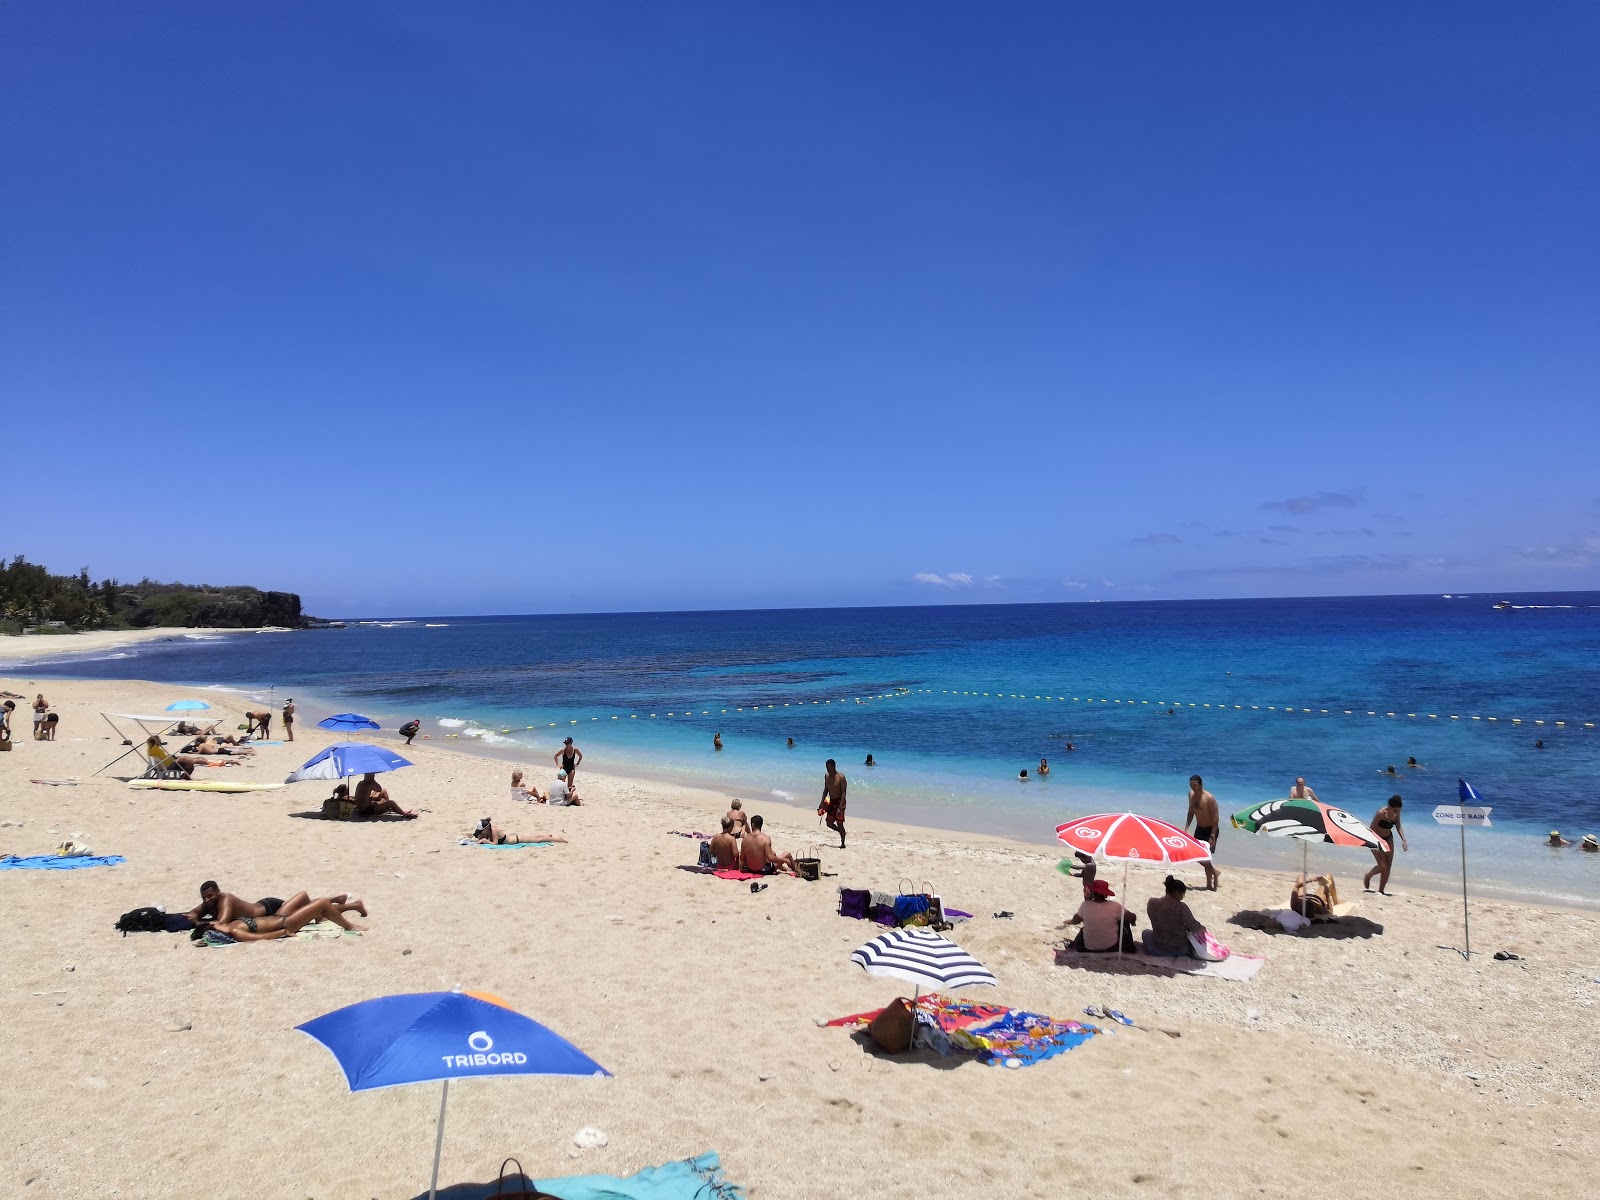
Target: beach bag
x,y
707,859
854,902
142,920
1206,948
809,867
334,809
518,1186
890,1030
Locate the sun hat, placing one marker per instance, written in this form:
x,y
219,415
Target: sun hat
x,y
1101,888
1589,839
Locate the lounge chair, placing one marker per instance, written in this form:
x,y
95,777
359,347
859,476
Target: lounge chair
x,y
160,764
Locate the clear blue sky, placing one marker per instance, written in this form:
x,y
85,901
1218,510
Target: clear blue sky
x,y
509,307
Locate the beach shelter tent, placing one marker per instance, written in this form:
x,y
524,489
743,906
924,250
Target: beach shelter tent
x,y
148,726
1307,821
426,1037
1131,838
921,958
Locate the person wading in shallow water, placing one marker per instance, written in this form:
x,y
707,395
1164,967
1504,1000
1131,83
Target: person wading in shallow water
x,y
834,787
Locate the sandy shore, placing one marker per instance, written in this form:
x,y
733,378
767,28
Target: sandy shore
x,y
34,646
1370,1066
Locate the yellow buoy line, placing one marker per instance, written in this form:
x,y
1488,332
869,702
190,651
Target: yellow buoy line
x,y
902,693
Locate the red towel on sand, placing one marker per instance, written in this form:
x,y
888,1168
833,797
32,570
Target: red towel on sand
x,y
735,873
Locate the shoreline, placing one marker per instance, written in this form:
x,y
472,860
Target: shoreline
x,y
16,647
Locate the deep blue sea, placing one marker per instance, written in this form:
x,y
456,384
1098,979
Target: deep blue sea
x,y
953,701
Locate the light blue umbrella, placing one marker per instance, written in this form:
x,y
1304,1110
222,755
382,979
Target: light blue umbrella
x,y
347,721
424,1037
344,759
188,706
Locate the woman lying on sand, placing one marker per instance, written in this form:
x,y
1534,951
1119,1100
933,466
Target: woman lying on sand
x,y
486,831
266,929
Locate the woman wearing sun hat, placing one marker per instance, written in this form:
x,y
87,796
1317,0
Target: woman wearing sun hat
x,y
1102,918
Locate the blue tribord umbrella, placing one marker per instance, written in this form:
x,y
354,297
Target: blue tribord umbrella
x,y
344,759
425,1037
347,721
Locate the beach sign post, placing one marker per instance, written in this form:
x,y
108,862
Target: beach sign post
x,y
1468,812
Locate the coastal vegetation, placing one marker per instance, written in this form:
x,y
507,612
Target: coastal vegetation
x,y
32,598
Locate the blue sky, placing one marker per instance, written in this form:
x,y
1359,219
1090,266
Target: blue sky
x,y
503,307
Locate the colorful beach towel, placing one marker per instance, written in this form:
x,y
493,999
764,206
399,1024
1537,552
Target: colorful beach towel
x,y
949,1013
58,862
1009,1037
1021,1039
1241,968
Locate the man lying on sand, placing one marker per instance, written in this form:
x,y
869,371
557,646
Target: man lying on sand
x,y
372,800
217,905
205,745
266,929
725,845
760,857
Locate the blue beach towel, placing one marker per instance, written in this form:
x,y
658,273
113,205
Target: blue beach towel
x,y
58,862
513,845
692,1179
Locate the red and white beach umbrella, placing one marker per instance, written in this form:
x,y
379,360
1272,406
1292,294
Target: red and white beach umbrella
x,y
1131,838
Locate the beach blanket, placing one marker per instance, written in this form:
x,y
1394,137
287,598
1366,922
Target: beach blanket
x,y
58,862
56,782
698,836
997,1036
324,929
949,1013
699,1178
692,1179
1021,1039
502,845
1241,968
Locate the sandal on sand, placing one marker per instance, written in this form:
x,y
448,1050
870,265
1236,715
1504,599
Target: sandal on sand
x,y
1118,1017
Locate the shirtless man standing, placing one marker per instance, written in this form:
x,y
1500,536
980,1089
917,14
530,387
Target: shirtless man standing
x,y
760,857
724,849
1203,813
834,786
40,707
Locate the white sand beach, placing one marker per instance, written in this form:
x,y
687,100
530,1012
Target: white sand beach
x,y
39,646
1363,1066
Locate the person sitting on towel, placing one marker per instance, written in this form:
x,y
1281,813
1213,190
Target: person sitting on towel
x,y
1171,922
1306,901
372,800
759,856
217,905
1101,918
487,831
264,929
725,845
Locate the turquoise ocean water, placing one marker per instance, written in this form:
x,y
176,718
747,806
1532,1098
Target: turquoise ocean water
x,y
953,701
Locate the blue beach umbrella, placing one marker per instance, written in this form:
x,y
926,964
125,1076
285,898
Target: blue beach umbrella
x,y
188,706
425,1037
344,759
347,721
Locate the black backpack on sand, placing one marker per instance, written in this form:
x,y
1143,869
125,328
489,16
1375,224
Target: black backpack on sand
x,y
142,920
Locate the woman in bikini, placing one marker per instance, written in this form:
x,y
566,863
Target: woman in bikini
x,y
1386,824
266,929
488,832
